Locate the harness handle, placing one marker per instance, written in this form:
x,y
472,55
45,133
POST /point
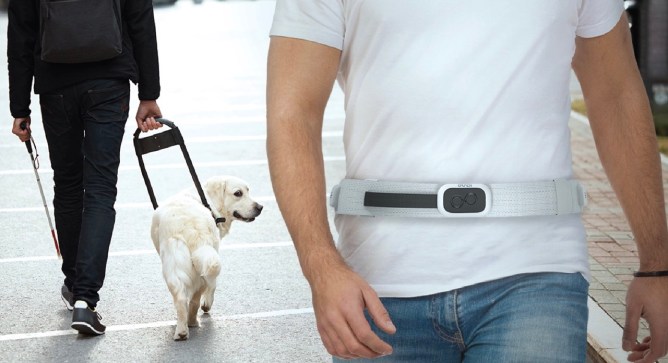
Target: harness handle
x,y
164,140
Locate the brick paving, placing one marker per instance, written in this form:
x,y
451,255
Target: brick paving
x,y
612,251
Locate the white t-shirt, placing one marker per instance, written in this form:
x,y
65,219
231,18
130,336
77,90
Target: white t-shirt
x,y
473,91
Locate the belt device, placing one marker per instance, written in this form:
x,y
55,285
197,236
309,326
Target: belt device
x,y
388,198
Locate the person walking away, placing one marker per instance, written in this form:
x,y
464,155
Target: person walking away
x,y
84,109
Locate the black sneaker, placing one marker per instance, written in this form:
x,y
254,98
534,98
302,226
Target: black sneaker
x,y
68,297
86,320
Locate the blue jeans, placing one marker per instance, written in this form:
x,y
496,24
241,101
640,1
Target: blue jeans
x,y
529,318
84,125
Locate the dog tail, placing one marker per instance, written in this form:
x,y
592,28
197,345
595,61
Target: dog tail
x,y
206,261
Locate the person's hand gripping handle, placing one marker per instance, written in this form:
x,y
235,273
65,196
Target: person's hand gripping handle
x,y
24,126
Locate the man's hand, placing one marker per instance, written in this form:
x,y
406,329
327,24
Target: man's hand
x,y
647,297
147,112
24,135
339,299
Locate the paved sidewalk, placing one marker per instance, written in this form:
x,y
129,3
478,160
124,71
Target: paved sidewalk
x,y
612,251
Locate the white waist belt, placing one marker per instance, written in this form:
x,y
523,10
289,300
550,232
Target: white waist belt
x,y
385,198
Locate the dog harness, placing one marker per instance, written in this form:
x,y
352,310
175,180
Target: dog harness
x,y
401,199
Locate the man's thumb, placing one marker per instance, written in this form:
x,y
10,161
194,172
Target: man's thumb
x,y
379,314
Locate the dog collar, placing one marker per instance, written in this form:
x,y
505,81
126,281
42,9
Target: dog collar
x,y
216,218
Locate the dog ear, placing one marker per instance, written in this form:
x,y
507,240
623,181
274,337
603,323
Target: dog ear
x,y
223,189
215,188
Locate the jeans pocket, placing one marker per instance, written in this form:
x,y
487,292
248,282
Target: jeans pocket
x,y
109,104
54,114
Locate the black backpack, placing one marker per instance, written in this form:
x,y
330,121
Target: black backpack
x,y
80,31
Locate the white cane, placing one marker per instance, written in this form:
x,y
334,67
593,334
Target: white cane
x,y
39,184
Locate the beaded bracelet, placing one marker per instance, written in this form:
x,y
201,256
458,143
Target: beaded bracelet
x,y
650,273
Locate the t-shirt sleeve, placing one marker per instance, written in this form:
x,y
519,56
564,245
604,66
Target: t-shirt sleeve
x,y
597,17
319,21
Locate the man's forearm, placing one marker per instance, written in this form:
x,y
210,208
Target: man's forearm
x,y
626,141
622,125
297,174
300,76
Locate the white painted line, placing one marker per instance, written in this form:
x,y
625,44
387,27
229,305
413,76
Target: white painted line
x,y
195,139
46,334
11,142
158,324
117,206
201,120
232,246
27,259
45,171
220,138
214,164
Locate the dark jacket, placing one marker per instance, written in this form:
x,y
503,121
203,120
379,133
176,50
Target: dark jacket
x,y
138,62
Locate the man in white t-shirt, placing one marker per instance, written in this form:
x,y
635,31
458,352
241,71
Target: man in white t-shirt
x,y
471,93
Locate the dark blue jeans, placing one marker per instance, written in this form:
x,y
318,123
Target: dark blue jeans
x,y
526,318
84,126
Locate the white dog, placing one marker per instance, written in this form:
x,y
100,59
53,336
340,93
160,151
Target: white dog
x,y
186,236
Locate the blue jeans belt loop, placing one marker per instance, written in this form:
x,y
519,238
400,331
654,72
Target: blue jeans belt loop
x,y
402,199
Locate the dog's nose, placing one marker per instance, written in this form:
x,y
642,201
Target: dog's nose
x,y
258,208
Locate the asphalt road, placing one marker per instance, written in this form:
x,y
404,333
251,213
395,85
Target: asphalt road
x,y
213,70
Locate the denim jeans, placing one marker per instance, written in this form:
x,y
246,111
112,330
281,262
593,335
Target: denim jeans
x,y
84,125
530,318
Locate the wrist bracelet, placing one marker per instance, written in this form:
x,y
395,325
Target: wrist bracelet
x,y
650,273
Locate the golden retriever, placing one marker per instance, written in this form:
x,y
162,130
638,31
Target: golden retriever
x,y
186,236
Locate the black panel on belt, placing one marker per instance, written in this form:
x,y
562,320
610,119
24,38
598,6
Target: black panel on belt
x,y
455,200
396,200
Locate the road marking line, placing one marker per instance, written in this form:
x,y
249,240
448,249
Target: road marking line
x,y
117,206
214,164
232,246
221,138
209,139
158,324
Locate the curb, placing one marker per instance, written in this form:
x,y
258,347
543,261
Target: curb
x,y
604,336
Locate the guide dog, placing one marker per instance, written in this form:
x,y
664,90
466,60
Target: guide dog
x,y
186,235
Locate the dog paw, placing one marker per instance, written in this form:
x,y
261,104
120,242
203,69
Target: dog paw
x,y
180,336
193,323
206,308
